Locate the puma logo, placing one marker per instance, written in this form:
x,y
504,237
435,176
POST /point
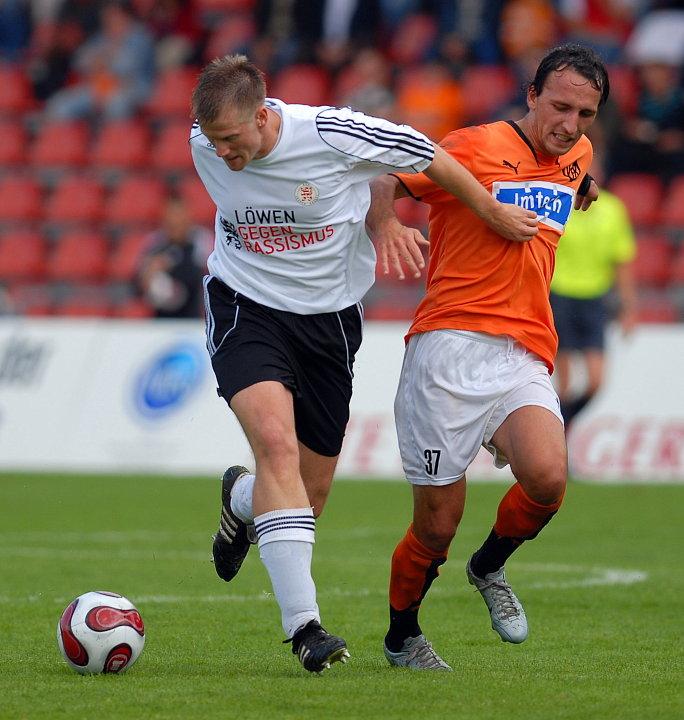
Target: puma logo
x,y
511,166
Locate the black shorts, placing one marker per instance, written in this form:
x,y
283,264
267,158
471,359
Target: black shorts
x,y
580,323
312,355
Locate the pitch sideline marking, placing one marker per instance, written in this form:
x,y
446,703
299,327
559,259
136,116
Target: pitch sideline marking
x,y
596,577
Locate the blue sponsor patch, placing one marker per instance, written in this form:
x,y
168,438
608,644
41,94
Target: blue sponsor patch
x,y
168,380
552,202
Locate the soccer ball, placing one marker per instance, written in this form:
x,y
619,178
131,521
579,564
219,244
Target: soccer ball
x,y
100,632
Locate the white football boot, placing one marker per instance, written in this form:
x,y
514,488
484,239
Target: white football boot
x,y
508,616
418,654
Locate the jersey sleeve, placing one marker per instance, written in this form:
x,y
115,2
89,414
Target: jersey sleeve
x,y
382,145
421,187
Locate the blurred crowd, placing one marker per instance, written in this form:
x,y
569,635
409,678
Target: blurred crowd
x,y
109,74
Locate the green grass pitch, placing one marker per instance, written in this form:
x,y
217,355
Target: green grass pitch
x,y
602,587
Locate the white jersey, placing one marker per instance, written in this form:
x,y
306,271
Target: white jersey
x,y
290,227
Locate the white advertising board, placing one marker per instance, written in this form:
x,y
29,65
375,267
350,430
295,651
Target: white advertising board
x,y
125,396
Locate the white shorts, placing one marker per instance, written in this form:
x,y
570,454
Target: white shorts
x,y
455,390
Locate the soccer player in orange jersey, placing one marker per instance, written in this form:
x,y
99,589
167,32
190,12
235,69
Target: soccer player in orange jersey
x,y
481,347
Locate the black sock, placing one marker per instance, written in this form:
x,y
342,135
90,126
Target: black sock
x,y
493,554
571,408
403,624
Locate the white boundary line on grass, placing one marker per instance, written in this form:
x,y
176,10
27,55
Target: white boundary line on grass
x,y
591,577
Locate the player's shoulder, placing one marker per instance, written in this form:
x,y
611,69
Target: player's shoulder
x,y
483,136
197,137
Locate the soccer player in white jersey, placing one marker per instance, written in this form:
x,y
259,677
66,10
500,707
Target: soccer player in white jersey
x,y
291,263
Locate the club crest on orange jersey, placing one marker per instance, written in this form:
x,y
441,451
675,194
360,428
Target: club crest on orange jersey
x,y
572,172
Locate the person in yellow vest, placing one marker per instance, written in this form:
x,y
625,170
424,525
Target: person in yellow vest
x,y
594,256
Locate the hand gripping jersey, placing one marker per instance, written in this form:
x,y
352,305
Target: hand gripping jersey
x,y
290,227
476,279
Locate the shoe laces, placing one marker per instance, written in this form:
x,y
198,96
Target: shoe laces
x,y
506,603
424,653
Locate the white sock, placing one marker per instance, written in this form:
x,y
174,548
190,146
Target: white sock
x,y
286,539
241,498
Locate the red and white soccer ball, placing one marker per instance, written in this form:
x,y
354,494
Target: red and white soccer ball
x,y
100,632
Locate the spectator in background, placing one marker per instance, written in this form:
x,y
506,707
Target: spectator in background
x,y
172,269
653,140
115,68
15,28
366,85
594,255
177,33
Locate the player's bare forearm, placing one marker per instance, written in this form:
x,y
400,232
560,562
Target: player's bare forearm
x,y
396,244
509,221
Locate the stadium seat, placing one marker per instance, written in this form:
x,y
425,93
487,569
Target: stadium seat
x,y
124,261
624,88
22,256
202,208
171,151
673,206
656,308
132,309
652,265
226,5
76,199
232,34
413,40
31,299
172,92
642,193
79,256
122,144
83,301
306,84
20,199
60,144
16,95
137,200
13,143
486,88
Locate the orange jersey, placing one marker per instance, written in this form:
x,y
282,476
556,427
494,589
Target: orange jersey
x,y
476,279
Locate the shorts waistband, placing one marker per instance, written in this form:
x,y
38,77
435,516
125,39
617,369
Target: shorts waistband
x,y
499,340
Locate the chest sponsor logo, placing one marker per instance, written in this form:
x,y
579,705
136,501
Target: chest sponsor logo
x,y
552,202
306,193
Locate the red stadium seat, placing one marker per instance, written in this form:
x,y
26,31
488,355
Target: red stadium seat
x,y
624,88
486,88
642,194
652,265
132,309
31,299
20,199
22,256
226,5
233,34
125,259
13,143
84,301
202,208
76,199
673,207
306,84
60,144
656,309
172,92
413,39
16,95
137,200
79,257
171,150
122,144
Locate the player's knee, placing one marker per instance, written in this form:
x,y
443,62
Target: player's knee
x,y
438,534
276,447
546,485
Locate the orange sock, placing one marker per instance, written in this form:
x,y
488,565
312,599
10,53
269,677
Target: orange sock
x,y
414,567
519,516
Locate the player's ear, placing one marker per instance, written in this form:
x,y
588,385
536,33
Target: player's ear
x,y
261,116
531,96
